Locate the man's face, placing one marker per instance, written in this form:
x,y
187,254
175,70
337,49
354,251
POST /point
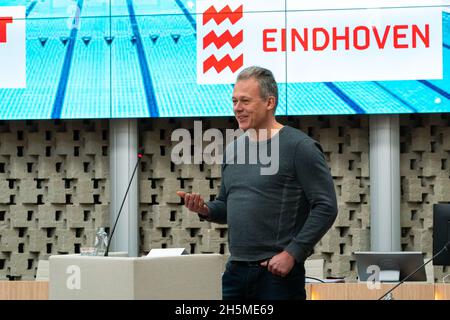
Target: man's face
x,y
250,110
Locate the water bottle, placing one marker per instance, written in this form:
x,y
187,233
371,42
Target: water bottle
x,y
101,242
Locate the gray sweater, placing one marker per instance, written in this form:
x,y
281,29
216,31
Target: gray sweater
x,y
266,214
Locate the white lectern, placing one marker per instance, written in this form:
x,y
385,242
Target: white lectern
x,y
187,277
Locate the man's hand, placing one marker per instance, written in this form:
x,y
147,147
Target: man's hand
x,y
281,264
194,202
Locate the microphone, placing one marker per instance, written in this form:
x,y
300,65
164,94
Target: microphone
x,y
140,155
445,248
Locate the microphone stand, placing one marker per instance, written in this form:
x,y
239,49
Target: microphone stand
x,y
123,202
445,248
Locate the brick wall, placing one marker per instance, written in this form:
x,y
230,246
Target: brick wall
x,y
54,190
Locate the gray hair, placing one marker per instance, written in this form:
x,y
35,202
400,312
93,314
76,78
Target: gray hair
x,y
267,84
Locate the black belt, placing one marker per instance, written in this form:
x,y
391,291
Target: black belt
x,y
250,263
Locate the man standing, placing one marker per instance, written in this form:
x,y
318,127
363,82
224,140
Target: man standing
x,y
274,220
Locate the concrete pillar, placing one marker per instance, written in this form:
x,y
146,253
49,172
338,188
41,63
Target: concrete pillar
x,y
385,182
123,159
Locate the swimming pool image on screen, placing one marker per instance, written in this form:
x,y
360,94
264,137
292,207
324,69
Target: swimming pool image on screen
x,y
137,59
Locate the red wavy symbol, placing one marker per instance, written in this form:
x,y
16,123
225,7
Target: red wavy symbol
x,y
220,16
223,39
221,64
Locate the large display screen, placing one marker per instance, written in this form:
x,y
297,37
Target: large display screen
x,y
179,58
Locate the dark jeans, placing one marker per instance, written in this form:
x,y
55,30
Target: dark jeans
x,y
248,280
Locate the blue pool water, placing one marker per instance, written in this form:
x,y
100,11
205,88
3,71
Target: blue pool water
x,y
137,58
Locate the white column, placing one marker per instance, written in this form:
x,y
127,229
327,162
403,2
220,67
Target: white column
x,y
123,134
385,183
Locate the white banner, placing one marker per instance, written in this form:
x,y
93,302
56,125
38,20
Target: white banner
x,y
12,47
307,45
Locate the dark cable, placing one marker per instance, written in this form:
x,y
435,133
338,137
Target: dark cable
x,y
306,277
123,202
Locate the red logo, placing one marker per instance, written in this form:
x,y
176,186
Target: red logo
x,y
220,40
3,27
223,39
221,64
222,15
